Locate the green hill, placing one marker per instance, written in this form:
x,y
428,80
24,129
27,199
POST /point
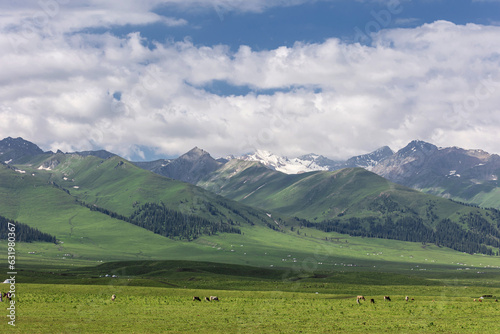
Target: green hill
x,y
120,187
83,200
319,196
356,201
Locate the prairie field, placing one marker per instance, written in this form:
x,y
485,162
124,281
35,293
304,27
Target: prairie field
x,y
157,297
46,308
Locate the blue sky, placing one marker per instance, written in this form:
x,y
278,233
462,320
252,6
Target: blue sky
x,y
339,78
308,22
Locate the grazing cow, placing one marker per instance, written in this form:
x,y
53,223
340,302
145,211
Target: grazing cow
x,y
372,301
8,295
113,297
214,298
207,299
360,298
407,298
387,298
196,298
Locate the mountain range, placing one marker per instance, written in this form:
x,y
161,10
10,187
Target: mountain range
x,y
196,195
469,176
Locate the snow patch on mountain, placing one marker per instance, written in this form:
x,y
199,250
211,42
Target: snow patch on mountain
x,y
285,165
314,162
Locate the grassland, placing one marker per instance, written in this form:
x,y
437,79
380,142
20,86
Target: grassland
x,y
156,297
300,280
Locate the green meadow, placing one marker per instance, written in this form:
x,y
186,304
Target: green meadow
x,y
289,280
291,283
251,300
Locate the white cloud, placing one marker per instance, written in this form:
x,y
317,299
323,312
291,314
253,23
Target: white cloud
x,y
437,82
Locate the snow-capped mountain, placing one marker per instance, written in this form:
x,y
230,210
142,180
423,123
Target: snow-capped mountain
x,y
305,163
314,162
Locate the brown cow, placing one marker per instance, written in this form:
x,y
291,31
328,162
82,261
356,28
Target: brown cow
x,y
196,298
360,298
8,295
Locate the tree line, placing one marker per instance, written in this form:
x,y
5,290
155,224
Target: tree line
x,y
170,223
174,224
474,234
23,232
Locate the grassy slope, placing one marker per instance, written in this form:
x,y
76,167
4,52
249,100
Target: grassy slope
x,y
322,195
488,198
85,234
118,185
93,236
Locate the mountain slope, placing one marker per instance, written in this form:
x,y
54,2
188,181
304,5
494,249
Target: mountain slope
x,y
86,236
189,167
370,160
314,195
83,234
13,150
83,201
314,162
465,175
117,185
352,200
305,163
359,202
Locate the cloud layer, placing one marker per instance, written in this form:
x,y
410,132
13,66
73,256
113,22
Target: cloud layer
x,y
66,88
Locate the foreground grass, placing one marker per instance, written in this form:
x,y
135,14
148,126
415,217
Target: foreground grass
x,y
156,297
44,308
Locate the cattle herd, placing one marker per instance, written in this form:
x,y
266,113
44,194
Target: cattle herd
x,y
215,298
207,299
372,301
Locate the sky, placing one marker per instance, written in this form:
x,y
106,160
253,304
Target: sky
x,y
153,79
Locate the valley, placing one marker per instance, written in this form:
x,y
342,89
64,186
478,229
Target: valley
x,y
244,232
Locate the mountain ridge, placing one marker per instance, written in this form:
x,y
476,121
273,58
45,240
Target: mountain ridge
x,y
470,176
351,200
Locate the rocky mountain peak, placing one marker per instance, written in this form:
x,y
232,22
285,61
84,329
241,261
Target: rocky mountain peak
x,y
369,160
190,167
417,146
13,149
194,154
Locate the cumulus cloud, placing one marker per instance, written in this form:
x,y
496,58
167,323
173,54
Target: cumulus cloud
x,y
68,89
